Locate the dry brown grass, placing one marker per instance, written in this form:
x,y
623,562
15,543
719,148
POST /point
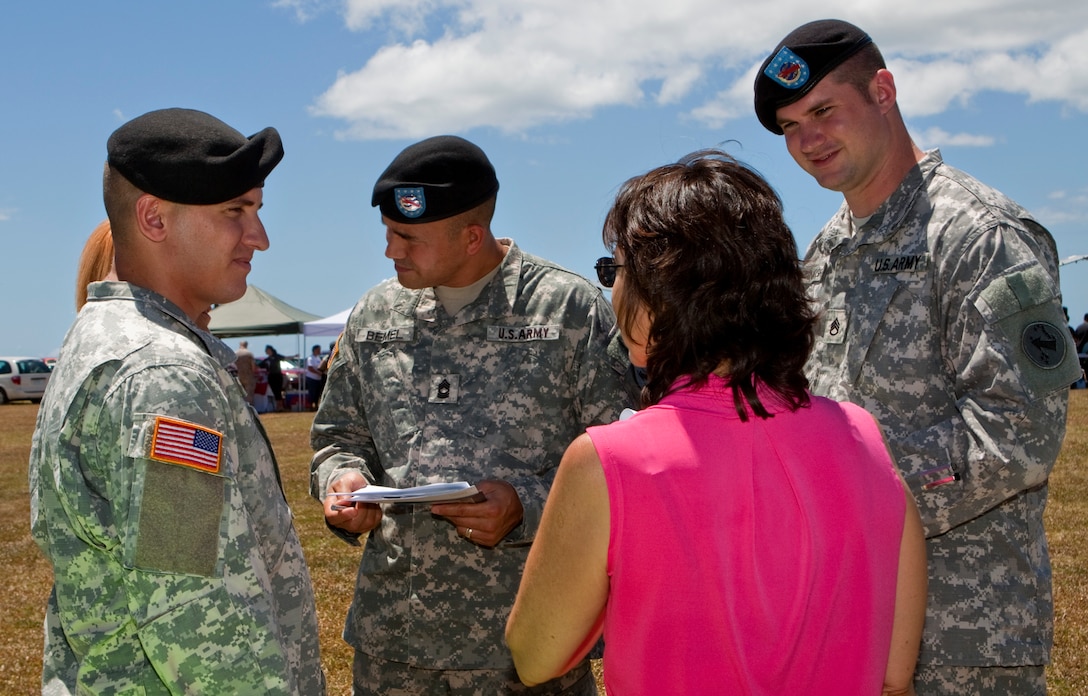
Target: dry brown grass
x,y
1067,532
333,564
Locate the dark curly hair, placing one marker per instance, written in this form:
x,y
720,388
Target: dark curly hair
x,y
706,251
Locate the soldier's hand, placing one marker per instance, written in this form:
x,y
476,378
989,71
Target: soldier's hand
x,y
357,518
488,522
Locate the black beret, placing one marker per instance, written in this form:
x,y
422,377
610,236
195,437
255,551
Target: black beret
x,y
800,61
191,157
435,179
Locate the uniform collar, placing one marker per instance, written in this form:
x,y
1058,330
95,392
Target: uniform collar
x,y
151,303
886,220
497,299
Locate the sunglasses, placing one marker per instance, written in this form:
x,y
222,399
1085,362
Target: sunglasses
x,y
606,270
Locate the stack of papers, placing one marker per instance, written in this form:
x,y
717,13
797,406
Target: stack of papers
x,y
431,493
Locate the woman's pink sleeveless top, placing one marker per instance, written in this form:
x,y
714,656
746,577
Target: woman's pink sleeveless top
x,y
755,557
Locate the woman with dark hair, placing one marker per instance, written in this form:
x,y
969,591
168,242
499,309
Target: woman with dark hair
x,y
275,377
738,534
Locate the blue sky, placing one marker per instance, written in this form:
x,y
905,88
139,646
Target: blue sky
x,y
569,98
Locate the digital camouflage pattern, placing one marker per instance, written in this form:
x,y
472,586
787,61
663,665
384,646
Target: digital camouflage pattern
x,y
171,576
388,678
942,317
497,391
990,681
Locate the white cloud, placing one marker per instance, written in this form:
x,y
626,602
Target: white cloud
x,y
1066,207
1052,217
938,137
1050,72
304,10
461,64
6,214
732,103
408,17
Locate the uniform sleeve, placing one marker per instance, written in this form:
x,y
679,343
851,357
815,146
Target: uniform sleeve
x,y
146,603
603,389
601,392
1011,362
340,435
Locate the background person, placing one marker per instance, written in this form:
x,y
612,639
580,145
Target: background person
x,y
1080,334
272,363
315,379
477,363
941,315
246,366
699,530
154,492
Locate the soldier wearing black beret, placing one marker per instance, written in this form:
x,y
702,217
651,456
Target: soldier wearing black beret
x,y
942,317
183,157
434,179
479,362
152,479
442,183
807,55
191,157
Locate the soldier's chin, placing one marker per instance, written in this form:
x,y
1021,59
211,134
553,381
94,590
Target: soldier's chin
x,y
234,291
410,280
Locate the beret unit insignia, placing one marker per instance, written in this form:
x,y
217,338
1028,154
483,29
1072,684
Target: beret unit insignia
x,y
410,201
788,69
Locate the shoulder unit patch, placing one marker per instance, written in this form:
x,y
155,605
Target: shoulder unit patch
x,y
1044,344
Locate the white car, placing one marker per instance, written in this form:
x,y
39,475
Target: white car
x,y
23,378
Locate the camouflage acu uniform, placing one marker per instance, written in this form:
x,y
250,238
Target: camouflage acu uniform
x,y
497,391
156,497
942,317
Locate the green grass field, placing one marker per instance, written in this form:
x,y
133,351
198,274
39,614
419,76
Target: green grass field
x,y
333,563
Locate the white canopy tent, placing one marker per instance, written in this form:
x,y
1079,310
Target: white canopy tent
x,y
329,326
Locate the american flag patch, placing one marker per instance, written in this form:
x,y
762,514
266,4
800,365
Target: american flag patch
x,y
183,443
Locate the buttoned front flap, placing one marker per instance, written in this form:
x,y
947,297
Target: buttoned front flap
x,y
868,335
387,363
499,377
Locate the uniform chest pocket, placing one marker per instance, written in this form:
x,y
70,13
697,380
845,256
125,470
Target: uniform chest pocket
x,y
504,383
901,341
390,383
874,326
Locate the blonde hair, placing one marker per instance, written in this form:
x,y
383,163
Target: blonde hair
x,y
96,261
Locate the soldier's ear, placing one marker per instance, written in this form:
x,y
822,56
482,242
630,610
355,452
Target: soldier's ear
x,y
150,221
475,236
882,90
